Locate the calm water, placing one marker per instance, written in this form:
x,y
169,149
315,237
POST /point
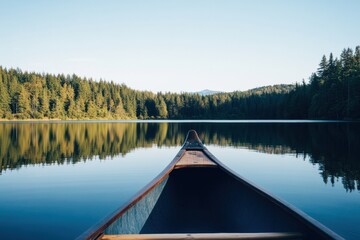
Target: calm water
x,y
58,179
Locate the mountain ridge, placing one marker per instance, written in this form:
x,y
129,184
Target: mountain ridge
x,y
206,92
276,88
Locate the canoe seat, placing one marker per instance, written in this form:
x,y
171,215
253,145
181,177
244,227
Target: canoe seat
x,y
178,236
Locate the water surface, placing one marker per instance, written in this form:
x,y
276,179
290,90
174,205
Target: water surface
x,y
58,179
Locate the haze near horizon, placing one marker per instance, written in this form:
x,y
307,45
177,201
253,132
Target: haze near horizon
x,y
177,46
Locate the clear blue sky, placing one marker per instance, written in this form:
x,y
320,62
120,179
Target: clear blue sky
x,y
184,45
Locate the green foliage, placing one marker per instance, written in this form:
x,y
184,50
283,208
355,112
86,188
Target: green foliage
x,y
26,95
30,95
23,103
333,92
161,109
4,99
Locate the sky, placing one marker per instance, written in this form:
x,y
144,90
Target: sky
x,y
177,46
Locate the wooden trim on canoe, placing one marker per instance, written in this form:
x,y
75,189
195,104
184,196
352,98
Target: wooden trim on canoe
x,y
204,236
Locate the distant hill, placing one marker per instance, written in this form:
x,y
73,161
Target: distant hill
x,y
207,92
279,88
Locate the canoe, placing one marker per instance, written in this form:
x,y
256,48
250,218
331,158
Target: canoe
x,y
197,197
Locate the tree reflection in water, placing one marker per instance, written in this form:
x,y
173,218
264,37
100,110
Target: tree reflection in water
x,y
331,146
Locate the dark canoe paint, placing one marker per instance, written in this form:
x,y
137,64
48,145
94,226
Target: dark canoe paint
x,y
205,200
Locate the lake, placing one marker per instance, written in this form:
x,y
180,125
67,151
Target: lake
x,y
59,178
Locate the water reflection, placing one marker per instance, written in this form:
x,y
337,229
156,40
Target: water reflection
x,y
331,146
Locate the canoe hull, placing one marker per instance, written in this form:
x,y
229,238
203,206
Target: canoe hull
x,y
197,194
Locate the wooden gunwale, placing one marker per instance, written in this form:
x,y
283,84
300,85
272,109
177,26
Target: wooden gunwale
x,y
207,236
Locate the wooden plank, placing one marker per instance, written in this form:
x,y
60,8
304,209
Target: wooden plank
x,y
194,158
211,236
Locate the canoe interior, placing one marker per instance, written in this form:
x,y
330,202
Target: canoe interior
x,y
206,200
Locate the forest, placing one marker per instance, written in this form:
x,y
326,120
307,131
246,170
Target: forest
x,y
332,92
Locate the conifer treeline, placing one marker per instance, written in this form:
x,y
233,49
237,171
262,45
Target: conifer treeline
x,y
332,93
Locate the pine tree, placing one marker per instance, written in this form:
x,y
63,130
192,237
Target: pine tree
x,y
4,100
23,103
323,66
44,103
91,110
161,110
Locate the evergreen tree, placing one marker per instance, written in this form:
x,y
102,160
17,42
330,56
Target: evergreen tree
x,y
161,108
323,67
91,110
333,92
4,100
44,103
23,103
